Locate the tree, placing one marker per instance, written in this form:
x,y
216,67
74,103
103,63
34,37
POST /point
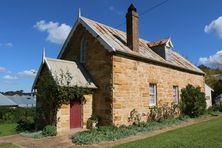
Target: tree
x,y
193,102
217,86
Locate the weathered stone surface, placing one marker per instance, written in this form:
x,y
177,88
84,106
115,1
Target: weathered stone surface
x,y
131,81
87,109
63,114
99,66
123,83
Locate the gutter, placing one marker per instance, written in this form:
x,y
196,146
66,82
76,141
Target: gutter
x,y
117,52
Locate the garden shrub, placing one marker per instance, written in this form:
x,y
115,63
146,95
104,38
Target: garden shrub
x,y
215,108
92,122
163,112
134,117
111,133
8,117
193,102
26,124
13,115
49,130
220,106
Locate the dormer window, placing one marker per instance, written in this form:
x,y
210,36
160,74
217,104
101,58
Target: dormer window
x,y
162,47
83,46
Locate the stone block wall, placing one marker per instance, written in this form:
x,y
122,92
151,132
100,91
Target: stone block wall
x,y
131,79
86,109
99,66
63,118
63,114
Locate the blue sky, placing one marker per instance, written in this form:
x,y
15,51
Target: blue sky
x,y
27,26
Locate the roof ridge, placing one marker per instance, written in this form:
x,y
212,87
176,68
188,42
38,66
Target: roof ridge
x,y
102,24
60,60
114,44
111,27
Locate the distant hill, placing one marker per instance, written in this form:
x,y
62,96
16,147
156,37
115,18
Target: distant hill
x,y
16,93
211,74
213,78
211,71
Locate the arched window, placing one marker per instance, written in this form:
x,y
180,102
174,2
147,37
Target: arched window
x,y
83,46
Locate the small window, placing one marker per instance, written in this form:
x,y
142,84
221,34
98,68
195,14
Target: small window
x,y
175,94
83,47
153,94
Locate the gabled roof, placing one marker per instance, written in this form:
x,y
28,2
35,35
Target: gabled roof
x,y
115,41
160,42
5,101
57,67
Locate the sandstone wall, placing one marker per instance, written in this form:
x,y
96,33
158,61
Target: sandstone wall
x,y
99,66
131,81
63,114
63,118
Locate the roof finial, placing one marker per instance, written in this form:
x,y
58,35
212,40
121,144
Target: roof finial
x,y
79,13
43,54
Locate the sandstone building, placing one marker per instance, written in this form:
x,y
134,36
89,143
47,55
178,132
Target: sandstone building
x,y
124,71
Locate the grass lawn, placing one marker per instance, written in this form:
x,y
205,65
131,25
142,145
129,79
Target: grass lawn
x,y
8,145
205,135
7,129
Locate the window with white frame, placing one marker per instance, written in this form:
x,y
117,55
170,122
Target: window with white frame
x,y
83,46
153,96
175,94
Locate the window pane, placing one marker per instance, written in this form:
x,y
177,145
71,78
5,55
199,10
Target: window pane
x,y
151,99
175,94
83,47
152,89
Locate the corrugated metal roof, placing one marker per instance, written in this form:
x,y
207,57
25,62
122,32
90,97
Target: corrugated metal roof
x,y
5,101
79,75
23,101
117,40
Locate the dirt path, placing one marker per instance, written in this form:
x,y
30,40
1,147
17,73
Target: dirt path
x,y
61,141
64,141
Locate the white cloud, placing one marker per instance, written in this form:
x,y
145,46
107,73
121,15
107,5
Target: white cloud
x,y
57,33
7,45
215,26
2,69
27,73
212,61
113,9
9,77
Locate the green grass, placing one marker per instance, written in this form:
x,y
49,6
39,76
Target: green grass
x,y
7,129
111,133
205,135
8,145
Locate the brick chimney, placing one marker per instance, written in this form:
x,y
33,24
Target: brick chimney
x,y
132,28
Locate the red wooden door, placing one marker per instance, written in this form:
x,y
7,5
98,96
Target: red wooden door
x,y
75,114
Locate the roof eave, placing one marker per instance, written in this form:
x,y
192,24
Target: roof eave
x,y
97,35
158,62
39,71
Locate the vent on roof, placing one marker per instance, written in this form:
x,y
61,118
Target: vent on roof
x,y
162,47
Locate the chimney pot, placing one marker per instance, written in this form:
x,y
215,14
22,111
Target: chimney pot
x,y
132,8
